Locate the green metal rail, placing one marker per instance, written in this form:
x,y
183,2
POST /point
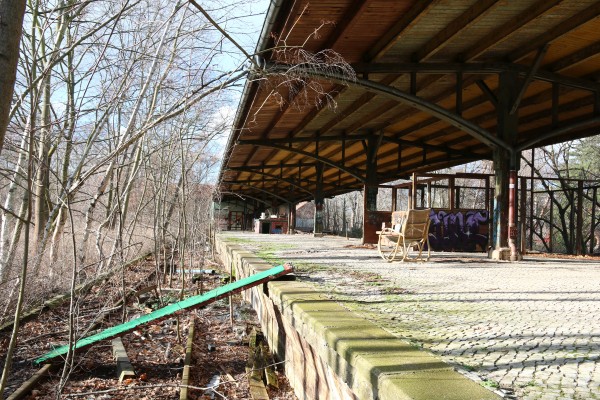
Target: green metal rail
x,y
187,304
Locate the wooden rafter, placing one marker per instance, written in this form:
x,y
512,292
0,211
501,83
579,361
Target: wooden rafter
x,y
508,29
466,19
400,28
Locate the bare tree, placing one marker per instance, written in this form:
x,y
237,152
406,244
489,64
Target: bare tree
x,y
11,24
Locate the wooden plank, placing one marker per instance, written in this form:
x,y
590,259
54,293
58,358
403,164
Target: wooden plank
x,y
185,378
124,367
30,383
356,8
469,17
559,30
270,375
506,30
258,391
401,27
575,58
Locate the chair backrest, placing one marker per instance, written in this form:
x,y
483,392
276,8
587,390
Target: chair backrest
x,y
416,224
398,219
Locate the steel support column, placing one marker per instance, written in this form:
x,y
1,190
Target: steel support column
x,y
579,247
506,165
291,218
371,221
319,201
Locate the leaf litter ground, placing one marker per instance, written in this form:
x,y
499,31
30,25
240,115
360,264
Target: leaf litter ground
x,y
157,352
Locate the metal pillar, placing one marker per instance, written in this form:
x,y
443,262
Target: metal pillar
x,y
593,224
319,201
579,247
429,202
512,213
372,222
451,194
522,216
531,183
413,191
506,164
291,218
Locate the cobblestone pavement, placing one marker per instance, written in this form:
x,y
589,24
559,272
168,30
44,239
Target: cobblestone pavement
x,y
531,328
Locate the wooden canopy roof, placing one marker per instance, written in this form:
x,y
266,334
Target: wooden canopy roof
x,y
425,94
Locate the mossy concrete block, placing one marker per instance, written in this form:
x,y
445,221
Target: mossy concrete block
x,y
427,384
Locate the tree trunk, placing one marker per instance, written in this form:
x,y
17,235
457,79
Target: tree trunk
x,y
42,179
11,26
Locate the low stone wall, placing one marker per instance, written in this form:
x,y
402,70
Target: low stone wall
x,y
332,353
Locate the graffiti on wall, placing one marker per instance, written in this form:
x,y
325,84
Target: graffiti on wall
x,y
458,230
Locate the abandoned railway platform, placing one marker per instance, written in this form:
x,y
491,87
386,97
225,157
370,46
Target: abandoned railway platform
x,y
527,330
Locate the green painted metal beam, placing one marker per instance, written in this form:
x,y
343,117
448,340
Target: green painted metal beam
x,y
187,304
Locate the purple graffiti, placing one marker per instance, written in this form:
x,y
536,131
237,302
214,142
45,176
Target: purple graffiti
x,y
464,230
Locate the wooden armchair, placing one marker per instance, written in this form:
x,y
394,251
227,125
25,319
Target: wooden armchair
x,y
409,229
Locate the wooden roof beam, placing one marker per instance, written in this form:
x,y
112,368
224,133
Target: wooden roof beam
x,y
389,106
575,58
525,84
564,108
335,91
295,90
304,139
466,19
355,9
485,89
441,69
354,172
426,146
267,192
357,104
572,106
417,166
562,28
289,182
509,28
269,166
399,29
542,134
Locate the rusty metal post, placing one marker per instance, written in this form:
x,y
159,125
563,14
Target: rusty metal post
x,y
593,225
579,231
550,238
489,205
506,165
451,193
371,223
512,207
531,182
291,218
523,215
413,191
429,203
319,201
